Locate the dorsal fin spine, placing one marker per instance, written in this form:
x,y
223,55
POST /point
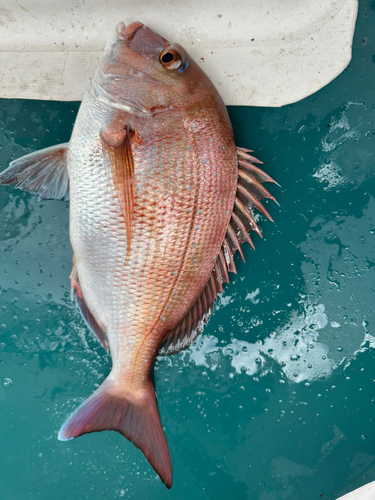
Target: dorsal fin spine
x,y
223,266
217,278
234,240
246,213
242,228
252,201
229,257
259,190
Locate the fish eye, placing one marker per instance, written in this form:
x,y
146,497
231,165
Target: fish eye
x,y
171,59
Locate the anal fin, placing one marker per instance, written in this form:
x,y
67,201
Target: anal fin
x,y
86,314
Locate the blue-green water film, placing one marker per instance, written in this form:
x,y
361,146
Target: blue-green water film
x,y
275,401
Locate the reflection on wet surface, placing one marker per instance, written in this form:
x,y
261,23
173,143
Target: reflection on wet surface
x,y
276,399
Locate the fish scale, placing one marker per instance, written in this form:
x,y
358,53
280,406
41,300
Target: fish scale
x,y
158,208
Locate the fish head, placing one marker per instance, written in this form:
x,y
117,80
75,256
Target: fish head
x,y
142,73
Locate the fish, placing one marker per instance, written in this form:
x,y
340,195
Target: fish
x,y
161,199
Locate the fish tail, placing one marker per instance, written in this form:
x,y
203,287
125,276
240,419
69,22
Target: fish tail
x,y
133,414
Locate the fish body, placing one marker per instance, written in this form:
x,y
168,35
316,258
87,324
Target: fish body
x,y
160,201
185,180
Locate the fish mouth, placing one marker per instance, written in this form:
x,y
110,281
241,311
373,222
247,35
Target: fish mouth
x,y
124,68
111,70
127,33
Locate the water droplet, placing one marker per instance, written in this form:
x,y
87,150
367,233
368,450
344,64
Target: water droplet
x,y
7,382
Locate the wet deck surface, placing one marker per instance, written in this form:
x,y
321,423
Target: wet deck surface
x,y
275,401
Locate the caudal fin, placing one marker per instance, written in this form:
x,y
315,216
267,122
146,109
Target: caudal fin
x,y
135,415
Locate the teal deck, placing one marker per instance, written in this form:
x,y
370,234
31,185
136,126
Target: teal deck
x,y
276,400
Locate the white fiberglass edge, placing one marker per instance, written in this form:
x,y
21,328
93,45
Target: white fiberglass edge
x,y
366,492
267,53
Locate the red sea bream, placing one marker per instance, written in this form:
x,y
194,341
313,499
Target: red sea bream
x,y
160,201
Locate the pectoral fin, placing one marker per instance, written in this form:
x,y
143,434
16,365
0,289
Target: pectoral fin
x,y
121,159
44,172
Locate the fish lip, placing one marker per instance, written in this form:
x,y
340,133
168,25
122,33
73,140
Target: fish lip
x,y
127,33
134,108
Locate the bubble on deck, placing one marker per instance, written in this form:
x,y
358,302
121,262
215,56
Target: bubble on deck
x,y
6,382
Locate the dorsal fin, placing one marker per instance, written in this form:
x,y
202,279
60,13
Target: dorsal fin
x,y
249,193
122,163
